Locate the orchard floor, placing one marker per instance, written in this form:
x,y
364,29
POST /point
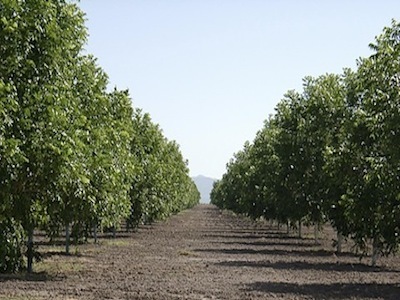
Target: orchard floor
x,y
204,253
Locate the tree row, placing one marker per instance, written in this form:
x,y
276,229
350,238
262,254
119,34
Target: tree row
x,y
74,157
330,153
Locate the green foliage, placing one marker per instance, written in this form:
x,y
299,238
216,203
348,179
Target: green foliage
x,y
39,41
11,246
72,153
161,184
369,148
329,153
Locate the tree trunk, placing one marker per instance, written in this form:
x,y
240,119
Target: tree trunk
x,y
300,234
67,238
30,251
95,233
339,242
127,225
316,233
375,253
114,232
288,227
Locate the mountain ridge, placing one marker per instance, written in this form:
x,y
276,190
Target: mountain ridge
x,y
204,185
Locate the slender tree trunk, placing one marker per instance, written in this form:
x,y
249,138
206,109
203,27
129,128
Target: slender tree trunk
x,y
114,232
316,233
30,251
300,229
375,253
95,233
339,242
67,238
288,227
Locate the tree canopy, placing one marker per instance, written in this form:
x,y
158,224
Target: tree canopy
x,y
72,153
330,153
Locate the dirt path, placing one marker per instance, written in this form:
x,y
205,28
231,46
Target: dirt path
x,y
206,254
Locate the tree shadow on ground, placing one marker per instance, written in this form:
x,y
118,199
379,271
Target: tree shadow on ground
x,y
298,265
48,254
119,235
100,237
328,291
249,251
31,277
246,233
304,244
50,243
254,236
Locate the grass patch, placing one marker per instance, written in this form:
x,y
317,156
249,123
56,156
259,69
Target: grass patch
x,y
54,267
53,248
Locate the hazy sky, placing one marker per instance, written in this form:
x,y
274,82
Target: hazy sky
x,y
211,71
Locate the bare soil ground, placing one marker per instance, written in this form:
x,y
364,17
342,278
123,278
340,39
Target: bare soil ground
x,y
204,253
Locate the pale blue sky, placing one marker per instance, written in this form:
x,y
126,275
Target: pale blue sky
x,y
211,71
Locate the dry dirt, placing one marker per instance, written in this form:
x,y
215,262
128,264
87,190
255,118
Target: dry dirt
x,y
204,253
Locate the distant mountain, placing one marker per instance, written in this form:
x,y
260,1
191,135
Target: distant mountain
x,y
204,185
